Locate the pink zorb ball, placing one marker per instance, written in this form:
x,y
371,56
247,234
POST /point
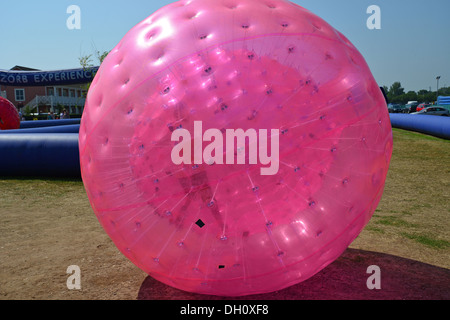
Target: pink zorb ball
x,y
234,147
9,116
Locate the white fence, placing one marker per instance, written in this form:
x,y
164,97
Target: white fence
x,y
53,101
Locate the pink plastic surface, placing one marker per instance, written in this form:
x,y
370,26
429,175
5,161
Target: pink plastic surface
x,y
9,116
226,229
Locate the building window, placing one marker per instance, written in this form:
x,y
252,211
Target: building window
x,y
20,94
50,91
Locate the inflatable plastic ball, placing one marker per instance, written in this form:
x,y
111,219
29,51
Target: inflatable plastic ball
x,y
234,147
9,116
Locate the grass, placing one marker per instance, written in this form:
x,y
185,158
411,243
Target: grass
x,y
427,240
404,135
412,216
394,221
33,191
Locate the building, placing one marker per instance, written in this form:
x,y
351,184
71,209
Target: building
x,y
45,96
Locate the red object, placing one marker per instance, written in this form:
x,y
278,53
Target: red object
x,y
422,106
9,116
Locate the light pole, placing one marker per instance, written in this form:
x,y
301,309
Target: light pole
x,y
437,88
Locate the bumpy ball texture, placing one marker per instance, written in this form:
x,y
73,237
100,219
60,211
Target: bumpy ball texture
x,y
9,116
227,229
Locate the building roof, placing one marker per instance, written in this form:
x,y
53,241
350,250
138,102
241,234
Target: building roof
x,y
20,68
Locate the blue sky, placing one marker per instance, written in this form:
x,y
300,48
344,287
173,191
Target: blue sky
x,y
412,46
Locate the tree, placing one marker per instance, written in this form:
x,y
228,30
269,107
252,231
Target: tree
x,y
101,56
86,61
423,92
396,94
396,89
411,96
444,91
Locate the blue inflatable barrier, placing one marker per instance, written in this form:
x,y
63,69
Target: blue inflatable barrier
x,y
48,123
437,126
44,149
39,155
443,101
72,128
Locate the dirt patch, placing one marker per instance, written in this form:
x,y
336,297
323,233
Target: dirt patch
x,y
48,225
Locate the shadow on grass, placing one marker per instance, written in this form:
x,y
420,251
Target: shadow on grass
x,y
75,178
344,279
